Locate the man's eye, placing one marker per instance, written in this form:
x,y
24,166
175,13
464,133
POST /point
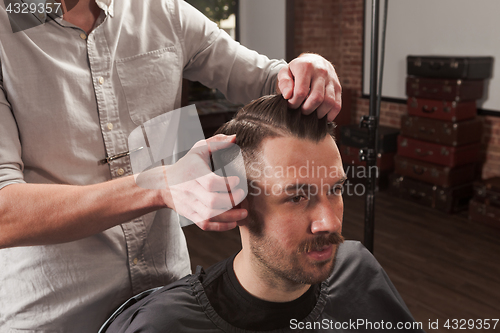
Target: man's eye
x,y
337,189
297,198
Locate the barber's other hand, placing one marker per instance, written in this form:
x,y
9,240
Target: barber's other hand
x,y
199,194
310,82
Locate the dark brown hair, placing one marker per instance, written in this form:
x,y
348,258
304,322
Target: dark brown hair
x,y
270,117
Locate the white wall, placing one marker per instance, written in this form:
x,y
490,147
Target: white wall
x,y
262,26
436,27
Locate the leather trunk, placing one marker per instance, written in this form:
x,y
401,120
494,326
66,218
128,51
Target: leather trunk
x,y
446,133
444,89
354,136
449,200
350,155
484,214
438,153
450,67
433,173
488,191
441,110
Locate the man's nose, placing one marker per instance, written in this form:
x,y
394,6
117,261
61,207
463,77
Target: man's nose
x,y
328,218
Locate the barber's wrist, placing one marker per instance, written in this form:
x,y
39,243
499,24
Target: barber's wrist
x,y
164,197
150,199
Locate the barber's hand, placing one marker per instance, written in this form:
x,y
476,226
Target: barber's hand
x,y
310,82
199,194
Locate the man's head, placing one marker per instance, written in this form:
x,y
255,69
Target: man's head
x,y
294,174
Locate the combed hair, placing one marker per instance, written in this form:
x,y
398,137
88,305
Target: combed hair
x,y
270,117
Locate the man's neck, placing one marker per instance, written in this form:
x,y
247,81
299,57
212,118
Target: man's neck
x,y
256,281
84,14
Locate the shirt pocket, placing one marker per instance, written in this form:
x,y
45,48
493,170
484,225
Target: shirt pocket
x,y
150,83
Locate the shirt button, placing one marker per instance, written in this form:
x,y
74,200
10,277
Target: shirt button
x,y
101,80
110,126
135,261
83,36
120,172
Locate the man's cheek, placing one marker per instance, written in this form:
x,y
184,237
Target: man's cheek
x,y
289,241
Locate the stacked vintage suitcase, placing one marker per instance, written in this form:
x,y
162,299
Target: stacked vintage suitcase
x,y
485,206
439,146
353,139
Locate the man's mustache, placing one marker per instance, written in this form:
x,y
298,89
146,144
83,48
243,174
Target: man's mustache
x,y
318,243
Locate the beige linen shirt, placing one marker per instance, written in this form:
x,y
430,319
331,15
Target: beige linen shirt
x,y
68,100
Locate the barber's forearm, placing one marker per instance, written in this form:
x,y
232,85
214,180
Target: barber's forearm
x,y
39,214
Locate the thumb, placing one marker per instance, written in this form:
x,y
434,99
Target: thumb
x,y
285,82
205,148
220,141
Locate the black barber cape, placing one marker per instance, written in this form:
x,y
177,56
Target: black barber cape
x,y
358,296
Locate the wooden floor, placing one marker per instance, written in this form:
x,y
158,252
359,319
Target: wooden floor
x,y
444,266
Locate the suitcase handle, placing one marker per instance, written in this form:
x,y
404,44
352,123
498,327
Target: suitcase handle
x,y
419,152
416,195
426,109
424,130
418,171
435,66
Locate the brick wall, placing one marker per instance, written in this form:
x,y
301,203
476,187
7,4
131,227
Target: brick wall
x,y
334,29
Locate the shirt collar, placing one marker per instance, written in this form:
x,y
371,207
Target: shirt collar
x,y
107,6
40,15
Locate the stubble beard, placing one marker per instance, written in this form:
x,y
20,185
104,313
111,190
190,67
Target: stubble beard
x,y
278,267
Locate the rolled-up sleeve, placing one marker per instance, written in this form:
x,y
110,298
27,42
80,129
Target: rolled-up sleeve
x,y
216,60
11,165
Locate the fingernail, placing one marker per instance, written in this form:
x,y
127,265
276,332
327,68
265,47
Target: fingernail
x,y
244,214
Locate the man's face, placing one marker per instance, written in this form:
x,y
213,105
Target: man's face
x,y
295,209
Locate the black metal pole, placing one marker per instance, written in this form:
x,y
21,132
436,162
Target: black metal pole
x,y
372,127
